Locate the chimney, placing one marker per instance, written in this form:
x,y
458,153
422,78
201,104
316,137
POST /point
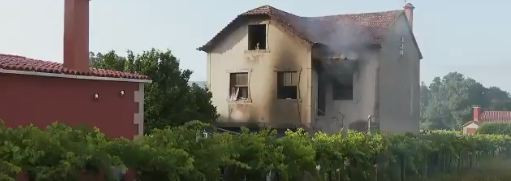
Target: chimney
x,y
409,13
476,113
76,35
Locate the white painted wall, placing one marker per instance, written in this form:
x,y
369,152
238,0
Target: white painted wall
x,y
399,81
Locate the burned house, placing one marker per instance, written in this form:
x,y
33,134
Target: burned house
x,y
270,68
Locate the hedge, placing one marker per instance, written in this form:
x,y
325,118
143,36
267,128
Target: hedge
x,y
196,151
495,128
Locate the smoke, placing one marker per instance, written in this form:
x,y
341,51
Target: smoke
x,y
344,39
343,46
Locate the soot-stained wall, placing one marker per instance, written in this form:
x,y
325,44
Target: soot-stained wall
x,y
26,99
284,53
339,113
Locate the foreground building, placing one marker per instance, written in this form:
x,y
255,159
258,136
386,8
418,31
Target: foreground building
x,y
41,92
270,68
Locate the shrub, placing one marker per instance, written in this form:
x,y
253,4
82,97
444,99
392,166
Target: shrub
x,y
495,128
195,151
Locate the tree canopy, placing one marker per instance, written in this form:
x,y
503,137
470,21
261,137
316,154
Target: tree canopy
x,y
447,102
169,100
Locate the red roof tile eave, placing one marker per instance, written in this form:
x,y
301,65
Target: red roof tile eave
x,y
77,75
22,65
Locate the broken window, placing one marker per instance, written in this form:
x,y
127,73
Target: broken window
x,y
238,86
287,85
343,87
257,37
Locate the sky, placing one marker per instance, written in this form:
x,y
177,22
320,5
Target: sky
x,y
470,37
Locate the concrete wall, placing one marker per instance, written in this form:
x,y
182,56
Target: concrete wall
x,y
346,112
38,100
284,53
399,81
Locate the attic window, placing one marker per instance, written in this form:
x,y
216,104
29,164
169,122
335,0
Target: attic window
x,y
257,37
343,87
287,85
238,86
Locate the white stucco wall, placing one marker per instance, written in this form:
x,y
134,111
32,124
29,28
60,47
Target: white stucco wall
x,y
284,53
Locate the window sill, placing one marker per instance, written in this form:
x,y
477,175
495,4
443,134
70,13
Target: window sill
x,y
256,51
345,101
289,100
247,101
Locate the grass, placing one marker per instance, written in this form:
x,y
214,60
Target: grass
x,y
495,170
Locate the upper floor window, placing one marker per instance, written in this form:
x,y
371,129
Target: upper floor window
x,y
257,37
343,87
238,86
287,85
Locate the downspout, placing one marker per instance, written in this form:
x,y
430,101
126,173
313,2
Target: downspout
x,y
299,100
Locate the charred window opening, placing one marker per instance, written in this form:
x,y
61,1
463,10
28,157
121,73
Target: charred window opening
x,y
343,87
238,86
287,85
257,37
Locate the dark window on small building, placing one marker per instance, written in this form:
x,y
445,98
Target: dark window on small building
x,y
238,86
287,85
343,87
257,37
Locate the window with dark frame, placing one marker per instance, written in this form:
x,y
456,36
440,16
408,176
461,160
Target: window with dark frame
x,y
342,87
238,86
257,37
287,85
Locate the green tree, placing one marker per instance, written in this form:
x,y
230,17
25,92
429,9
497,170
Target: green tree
x,y
496,99
447,102
169,100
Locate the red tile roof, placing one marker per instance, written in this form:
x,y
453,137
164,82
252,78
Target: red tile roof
x,y
495,116
320,29
14,62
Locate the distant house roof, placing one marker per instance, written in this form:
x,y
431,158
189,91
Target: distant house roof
x,y
495,116
470,122
315,30
19,63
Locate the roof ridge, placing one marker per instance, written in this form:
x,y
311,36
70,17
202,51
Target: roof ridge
x,y
496,111
11,55
270,9
356,14
27,58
